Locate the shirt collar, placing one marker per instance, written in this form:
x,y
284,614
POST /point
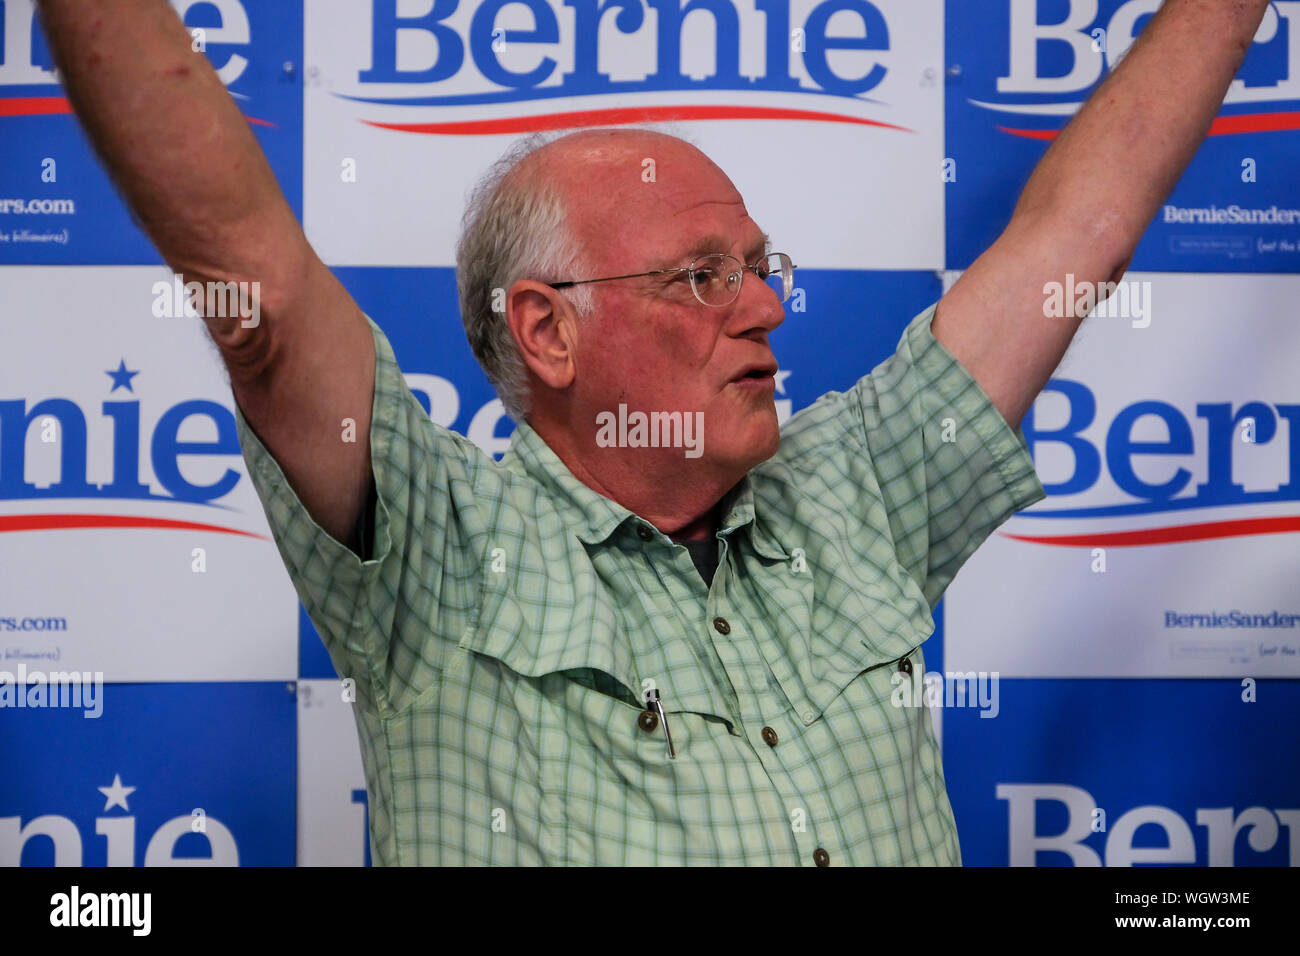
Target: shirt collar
x,y
593,516
739,511
596,517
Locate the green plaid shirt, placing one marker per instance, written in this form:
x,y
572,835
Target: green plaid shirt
x,y
503,634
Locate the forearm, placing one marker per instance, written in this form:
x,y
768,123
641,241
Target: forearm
x,y
1117,161
192,171
170,134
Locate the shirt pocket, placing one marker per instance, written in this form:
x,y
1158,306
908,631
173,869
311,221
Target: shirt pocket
x,y
619,799
819,631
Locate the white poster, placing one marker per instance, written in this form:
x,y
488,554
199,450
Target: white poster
x,y
828,120
1169,544
132,542
332,820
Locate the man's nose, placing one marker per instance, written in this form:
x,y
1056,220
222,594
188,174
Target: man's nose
x,y
758,308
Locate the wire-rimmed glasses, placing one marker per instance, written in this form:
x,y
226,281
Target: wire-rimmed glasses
x,y
716,278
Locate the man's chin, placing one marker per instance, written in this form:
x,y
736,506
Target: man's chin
x,y
759,443
770,447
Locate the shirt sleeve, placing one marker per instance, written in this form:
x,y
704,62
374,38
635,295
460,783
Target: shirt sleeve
x,y
918,446
387,621
950,467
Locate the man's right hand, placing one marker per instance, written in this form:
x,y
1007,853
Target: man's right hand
x,y
191,169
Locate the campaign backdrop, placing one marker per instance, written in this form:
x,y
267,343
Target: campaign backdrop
x,y
1116,667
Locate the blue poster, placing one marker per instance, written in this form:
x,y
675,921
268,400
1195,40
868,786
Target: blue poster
x,y
57,204
149,775
1017,72
1127,772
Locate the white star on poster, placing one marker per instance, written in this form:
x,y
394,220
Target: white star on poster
x,y
116,794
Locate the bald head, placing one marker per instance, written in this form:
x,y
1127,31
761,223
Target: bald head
x,y
617,184
590,151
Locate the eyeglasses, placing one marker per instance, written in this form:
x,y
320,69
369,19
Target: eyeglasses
x,y
716,278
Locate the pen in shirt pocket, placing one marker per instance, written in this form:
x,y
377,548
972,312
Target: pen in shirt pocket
x,y
652,697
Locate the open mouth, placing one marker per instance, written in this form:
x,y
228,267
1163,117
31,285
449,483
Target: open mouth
x,y
758,373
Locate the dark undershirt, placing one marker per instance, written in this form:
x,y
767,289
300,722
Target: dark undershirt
x,y
363,538
704,555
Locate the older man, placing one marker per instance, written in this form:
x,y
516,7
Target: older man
x,y
601,652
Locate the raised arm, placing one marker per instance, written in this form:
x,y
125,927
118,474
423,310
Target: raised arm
x,y
183,154
1093,195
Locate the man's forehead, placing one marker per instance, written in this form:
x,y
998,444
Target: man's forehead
x,y
753,245
681,230
663,242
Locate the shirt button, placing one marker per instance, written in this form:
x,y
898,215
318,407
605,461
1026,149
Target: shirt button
x,y
645,533
809,717
769,736
905,666
648,721
721,626
821,857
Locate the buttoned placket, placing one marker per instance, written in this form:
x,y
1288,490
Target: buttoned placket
x,y
764,710
673,567
758,707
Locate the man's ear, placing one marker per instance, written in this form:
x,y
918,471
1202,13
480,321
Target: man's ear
x,y
542,322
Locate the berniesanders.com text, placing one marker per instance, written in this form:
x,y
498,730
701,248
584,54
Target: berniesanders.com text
x,y
31,207
1232,618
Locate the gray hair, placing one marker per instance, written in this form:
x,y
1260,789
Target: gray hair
x,y
512,230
